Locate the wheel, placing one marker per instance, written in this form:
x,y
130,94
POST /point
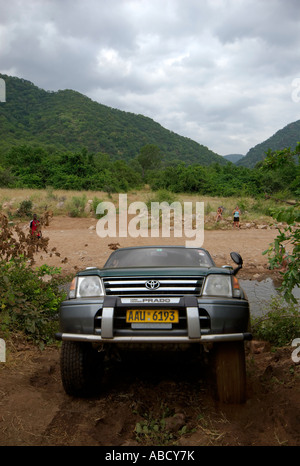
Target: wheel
x,y
230,372
81,368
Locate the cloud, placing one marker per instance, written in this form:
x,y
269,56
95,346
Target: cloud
x,y
219,72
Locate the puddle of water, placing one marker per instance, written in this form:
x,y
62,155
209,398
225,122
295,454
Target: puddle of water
x,y
260,294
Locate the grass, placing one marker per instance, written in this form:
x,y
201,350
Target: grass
x,y
65,202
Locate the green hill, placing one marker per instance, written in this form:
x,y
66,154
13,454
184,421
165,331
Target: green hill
x,y
68,120
288,136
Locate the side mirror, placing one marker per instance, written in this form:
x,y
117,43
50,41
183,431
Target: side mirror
x,y
235,256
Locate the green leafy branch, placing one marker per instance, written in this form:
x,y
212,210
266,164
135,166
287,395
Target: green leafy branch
x,y
284,252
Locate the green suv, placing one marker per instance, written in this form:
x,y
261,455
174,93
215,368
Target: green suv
x,y
149,297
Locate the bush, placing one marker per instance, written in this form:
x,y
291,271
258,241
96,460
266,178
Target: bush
x,y
285,250
95,203
153,430
25,209
162,195
15,243
76,206
280,326
29,303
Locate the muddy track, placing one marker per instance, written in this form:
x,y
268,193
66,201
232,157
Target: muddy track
x,y
174,396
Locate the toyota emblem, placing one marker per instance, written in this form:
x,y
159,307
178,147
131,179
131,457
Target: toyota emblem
x,y
152,284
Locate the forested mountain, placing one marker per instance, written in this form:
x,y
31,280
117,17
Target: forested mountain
x,y
286,137
68,120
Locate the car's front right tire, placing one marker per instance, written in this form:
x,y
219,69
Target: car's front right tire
x,y
81,368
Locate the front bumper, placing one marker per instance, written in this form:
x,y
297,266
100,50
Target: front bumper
x,y
202,320
155,339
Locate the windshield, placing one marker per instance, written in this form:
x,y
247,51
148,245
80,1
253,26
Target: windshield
x,y
159,257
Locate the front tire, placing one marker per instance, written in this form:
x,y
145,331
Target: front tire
x,y
230,372
81,368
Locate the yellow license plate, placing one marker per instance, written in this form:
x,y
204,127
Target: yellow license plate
x,y
152,316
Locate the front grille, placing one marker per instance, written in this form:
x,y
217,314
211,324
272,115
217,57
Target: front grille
x,y
174,286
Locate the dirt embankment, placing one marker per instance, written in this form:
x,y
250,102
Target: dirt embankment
x,y
34,410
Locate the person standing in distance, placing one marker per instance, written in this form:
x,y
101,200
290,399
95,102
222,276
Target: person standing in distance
x,y
236,217
35,227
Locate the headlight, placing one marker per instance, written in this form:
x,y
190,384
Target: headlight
x,y
218,285
86,287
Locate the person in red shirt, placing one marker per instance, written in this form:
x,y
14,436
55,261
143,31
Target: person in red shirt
x,y
35,227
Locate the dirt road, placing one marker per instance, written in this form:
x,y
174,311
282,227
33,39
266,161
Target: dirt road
x,y
151,402
78,244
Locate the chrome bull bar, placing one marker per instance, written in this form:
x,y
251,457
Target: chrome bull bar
x,y
154,339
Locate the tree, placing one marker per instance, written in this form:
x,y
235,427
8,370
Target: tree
x,y
280,170
149,157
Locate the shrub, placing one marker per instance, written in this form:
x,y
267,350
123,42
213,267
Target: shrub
x,y
25,209
280,325
285,250
95,203
29,303
153,431
162,195
76,206
15,243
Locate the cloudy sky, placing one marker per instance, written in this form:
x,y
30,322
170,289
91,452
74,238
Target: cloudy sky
x,y
225,73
